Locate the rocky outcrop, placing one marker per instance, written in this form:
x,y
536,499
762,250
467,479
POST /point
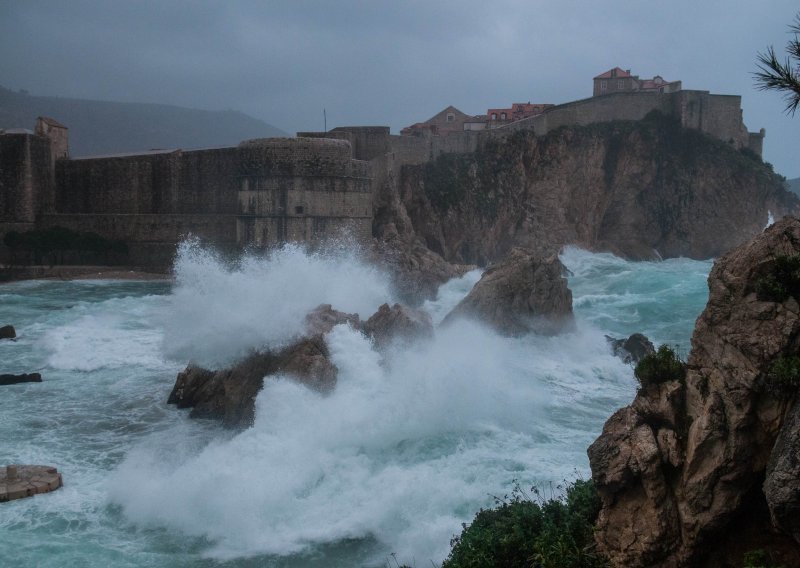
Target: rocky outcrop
x,y
680,470
20,481
637,189
520,294
633,349
8,332
229,394
24,378
398,324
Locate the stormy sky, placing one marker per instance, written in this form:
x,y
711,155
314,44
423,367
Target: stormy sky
x,y
391,63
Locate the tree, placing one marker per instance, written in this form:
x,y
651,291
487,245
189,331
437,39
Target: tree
x,y
774,75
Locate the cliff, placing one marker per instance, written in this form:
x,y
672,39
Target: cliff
x,y
703,467
639,189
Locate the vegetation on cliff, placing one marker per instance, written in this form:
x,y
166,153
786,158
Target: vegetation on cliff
x,y
531,531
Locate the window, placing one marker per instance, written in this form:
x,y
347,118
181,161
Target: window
x,y
298,210
503,116
450,117
603,85
494,116
620,84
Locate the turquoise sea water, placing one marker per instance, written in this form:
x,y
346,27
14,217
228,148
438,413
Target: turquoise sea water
x,y
407,448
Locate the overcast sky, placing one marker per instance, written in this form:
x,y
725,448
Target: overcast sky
x,y
391,63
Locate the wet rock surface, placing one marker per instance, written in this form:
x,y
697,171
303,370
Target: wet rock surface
x,y
17,379
522,293
680,470
8,332
398,323
20,481
633,349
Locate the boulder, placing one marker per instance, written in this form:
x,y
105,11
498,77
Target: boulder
x,y
323,318
19,481
229,394
8,332
679,472
16,379
398,324
521,293
633,349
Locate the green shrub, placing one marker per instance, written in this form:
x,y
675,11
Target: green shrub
x,y
758,558
523,532
781,281
783,376
659,367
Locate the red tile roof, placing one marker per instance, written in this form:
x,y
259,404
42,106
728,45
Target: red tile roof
x,y
616,72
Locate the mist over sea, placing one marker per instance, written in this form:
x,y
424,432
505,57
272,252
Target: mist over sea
x,y
404,450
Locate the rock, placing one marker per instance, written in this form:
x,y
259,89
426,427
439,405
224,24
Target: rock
x,y
679,472
398,324
782,484
323,318
522,293
8,332
229,394
633,349
16,379
19,481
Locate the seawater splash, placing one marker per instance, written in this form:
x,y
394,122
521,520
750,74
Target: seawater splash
x,y
406,448
770,220
218,312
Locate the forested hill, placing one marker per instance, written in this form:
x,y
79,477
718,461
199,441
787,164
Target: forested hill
x,y
101,127
793,185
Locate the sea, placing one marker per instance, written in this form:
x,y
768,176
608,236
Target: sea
x,y
380,472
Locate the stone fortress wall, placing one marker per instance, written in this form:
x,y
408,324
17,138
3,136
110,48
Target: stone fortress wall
x,y
268,191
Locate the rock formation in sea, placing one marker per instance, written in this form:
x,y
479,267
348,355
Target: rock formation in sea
x,y
6,379
8,332
638,189
633,349
700,470
521,293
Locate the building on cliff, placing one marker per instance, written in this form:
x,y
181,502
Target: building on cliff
x,y
268,191
618,80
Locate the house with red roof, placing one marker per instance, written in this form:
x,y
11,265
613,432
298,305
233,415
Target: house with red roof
x,y
619,80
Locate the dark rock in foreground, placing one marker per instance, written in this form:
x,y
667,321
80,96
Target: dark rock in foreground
x,y
229,394
8,332
24,378
680,471
633,349
522,293
398,323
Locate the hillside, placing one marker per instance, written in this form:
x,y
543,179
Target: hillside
x,y
102,127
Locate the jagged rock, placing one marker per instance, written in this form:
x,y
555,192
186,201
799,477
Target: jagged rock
x,y
679,471
633,349
8,332
229,394
782,484
521,293
398,323
417,272
24,378
323,318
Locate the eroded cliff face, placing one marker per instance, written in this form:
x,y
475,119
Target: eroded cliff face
x,y
690,473
638,189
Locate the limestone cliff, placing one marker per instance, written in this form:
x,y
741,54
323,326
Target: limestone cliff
x,y
638,189
690,473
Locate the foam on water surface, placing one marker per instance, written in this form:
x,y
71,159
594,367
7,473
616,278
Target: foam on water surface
x,y
405,449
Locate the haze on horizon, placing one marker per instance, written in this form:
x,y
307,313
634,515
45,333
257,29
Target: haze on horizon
x,y
390,63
